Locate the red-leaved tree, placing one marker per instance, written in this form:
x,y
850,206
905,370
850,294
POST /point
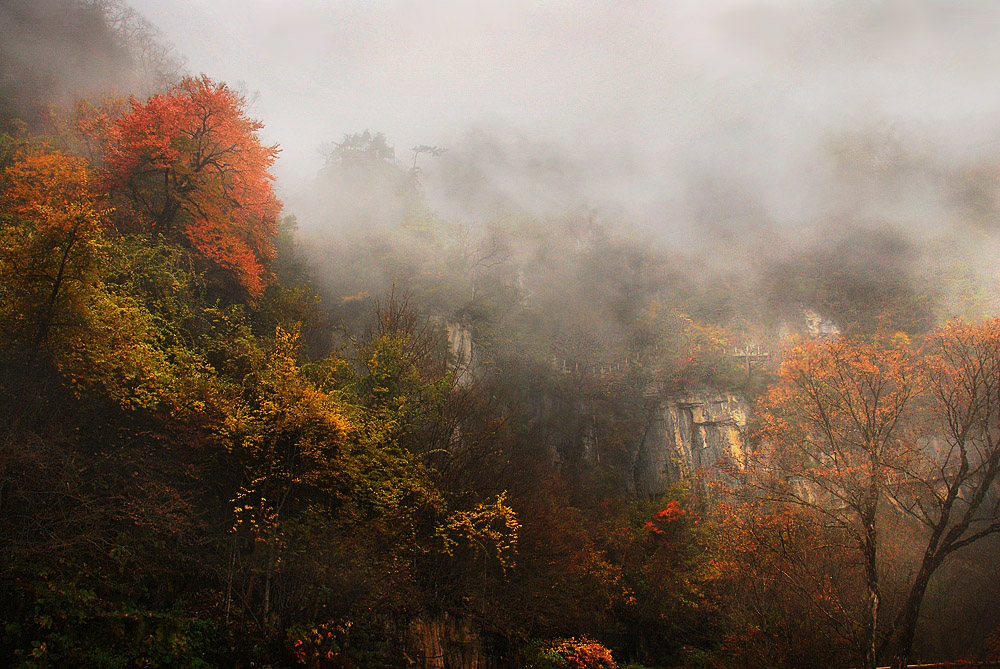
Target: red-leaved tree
x,y
189,165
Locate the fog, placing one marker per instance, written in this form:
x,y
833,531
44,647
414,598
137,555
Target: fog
x,y
635,107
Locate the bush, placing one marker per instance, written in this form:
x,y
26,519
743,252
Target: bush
x,y
569,654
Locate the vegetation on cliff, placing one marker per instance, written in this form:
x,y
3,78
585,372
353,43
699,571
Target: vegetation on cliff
x,y
415,442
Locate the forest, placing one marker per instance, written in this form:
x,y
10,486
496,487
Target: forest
x,y
401,414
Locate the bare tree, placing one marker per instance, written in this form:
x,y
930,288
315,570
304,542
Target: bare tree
x,y
156,64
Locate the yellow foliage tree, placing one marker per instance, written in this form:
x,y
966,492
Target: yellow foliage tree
x,y
50,241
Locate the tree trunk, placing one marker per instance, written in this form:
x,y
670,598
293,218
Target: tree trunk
x,y
906,623
49,316
874,595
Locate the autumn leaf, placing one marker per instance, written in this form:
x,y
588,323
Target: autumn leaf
x,y
190,166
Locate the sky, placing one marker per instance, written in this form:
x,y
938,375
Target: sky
x,y
643,100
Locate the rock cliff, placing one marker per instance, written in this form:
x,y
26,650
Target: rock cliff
x,y
685,435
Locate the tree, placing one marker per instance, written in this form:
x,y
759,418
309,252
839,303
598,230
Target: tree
x,y
363,190
785,591
287,437
154,63
670,570
950,487
434,151
832,440
360,148
188,165
50,238
867,434
571,653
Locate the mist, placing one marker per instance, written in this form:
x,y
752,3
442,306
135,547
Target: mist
x,y
530,328
740,131
639,102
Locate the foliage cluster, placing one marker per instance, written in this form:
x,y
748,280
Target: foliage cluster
x,y
198,469
183,482
571,654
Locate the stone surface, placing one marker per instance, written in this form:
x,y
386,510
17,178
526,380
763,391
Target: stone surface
x,y
688,434
444,642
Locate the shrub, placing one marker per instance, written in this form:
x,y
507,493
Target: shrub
x,y
569,653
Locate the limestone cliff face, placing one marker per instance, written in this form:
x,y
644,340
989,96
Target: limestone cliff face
x,y
444,642
461,352
688,434
677,436
459,344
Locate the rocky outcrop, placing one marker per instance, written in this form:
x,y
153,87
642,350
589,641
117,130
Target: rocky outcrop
x,y
461,352
444,642
688,434
459,344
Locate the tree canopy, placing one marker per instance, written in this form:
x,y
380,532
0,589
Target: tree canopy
x,y
189,165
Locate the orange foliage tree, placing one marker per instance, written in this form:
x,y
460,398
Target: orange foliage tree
x,y
571,653
190,166
832,439
49,238
784,591
950,489
863,435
